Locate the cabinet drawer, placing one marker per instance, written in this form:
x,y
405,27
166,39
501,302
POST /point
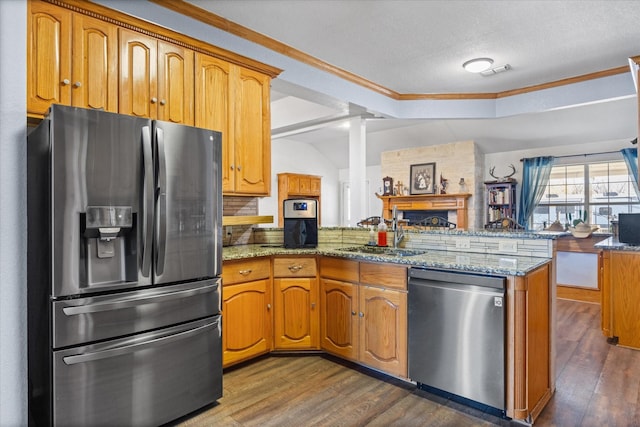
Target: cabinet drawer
x,y
294,267
386,275
245,270
339,269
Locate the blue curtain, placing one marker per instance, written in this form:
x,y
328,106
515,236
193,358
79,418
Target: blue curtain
x,y
535,176
630,156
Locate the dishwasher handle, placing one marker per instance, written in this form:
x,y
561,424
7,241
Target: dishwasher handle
x,y
454,277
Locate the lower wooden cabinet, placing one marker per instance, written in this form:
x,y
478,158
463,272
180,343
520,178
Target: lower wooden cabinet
x,y
296,323
383,329
620,296
246,310
361,322
339,318
296,308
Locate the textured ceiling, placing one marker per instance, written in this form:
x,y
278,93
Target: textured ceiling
x,y
419,46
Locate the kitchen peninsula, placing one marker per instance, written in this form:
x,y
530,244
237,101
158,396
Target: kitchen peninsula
x,y
620,292
526,261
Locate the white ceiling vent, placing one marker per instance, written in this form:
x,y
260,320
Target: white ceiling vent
x,y
496,70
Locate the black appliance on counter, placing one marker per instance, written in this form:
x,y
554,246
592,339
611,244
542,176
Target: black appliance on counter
x,y
300,223
124,264
629,228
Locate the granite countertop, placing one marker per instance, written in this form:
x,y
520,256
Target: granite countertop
x,y
510,265
612,243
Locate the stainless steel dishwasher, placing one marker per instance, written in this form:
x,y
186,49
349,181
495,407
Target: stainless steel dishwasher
x,y
457,334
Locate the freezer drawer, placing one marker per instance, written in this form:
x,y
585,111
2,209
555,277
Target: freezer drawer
x,y
144,380
91,319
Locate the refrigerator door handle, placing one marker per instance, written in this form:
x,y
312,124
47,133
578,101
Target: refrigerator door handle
x,y
133,302
131,348
161,204
147,219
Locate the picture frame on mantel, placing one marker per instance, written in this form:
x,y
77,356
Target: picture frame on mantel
x,y
422,178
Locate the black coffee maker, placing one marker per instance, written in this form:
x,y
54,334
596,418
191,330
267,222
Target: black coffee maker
x,y
300,223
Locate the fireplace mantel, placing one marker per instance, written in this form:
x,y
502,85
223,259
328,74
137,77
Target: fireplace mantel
x,y
429,202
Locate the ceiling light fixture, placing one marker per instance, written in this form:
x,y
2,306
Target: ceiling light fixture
x,y
477,65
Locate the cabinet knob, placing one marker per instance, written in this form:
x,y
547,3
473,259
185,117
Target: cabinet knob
x,y
162,102
238,168
353,313
313,305
231,167
154,100
361,314
77,84
268,306
245,272
65,82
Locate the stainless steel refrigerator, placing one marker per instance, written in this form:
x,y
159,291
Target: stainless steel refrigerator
x,y
124,264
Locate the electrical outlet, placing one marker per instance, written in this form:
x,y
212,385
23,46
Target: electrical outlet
x,y
228,231
509,246
463,260
463,243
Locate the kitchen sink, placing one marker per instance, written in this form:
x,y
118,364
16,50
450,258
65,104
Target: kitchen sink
x,y
383,250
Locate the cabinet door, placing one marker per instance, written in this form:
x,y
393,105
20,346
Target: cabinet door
x,y
49,57
252,133
625,294
339,318
297,314
95,64
383,329
246,325
175,84
315,187
213,109
138,86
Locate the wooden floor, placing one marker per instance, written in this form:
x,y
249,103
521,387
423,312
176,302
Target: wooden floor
x,y
597,385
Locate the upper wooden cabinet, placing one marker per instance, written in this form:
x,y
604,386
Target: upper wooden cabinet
x,y
252,148
235,101
156,79
72,59
87,55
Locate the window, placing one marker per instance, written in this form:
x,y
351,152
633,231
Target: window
x,y
597,191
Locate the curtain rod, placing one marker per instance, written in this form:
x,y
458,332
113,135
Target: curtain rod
x,y
577,155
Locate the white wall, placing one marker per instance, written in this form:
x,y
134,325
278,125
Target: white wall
x,y
373,185
13,228
299,157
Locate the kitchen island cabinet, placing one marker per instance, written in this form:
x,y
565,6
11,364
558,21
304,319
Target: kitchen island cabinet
x,y
620,297
246,310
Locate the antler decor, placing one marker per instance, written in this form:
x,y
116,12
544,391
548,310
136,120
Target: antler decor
x,y
506,177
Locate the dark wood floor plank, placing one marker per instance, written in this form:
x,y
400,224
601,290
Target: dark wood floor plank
x,y
597,385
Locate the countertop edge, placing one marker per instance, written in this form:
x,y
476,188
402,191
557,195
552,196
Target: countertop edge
x,y
510,265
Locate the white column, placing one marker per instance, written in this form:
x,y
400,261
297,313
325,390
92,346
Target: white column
x,y
357,169
13,202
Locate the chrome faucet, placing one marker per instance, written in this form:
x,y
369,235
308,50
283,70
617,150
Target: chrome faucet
x,y
398,232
